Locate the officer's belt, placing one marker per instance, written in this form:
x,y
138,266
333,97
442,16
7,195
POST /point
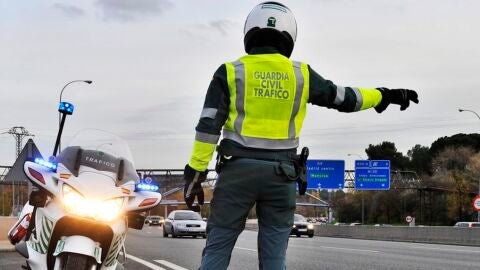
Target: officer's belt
x,y
228,151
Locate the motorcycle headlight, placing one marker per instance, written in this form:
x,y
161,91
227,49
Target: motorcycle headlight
x,y
76,204
310,226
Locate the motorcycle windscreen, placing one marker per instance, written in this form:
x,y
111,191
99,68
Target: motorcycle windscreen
x,y
101,151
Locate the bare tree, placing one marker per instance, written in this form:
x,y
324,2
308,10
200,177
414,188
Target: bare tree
x,y
453,170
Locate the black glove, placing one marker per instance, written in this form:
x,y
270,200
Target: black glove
x,y
401,97
302,171
302,186
193,187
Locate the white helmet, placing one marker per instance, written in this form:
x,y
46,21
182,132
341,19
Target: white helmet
x,y
273,22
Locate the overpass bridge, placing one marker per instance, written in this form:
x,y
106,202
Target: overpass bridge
x,y
14,189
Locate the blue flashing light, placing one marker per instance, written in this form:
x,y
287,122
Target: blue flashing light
x,y
52,166
146,187
66,108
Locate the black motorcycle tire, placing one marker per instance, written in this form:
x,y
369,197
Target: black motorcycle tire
x,y
73,261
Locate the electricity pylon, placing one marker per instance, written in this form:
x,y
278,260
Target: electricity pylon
x,y
19,133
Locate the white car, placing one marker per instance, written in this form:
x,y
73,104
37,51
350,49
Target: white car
x,y
184,223
467,224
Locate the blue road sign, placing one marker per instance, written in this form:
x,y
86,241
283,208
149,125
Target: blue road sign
x,y
325,174
372,174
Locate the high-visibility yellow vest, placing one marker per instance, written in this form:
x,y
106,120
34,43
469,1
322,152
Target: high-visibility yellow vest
x,y
268,98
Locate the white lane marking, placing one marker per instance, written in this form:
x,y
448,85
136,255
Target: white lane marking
x,y
351,249
325,247
170,265
249,249
147,264
337,248
447,249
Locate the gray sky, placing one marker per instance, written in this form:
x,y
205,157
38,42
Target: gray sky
x,y
151,62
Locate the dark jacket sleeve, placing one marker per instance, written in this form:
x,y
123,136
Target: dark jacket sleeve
x,y
212,118
215,107
345,99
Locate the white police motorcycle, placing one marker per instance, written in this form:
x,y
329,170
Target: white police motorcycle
x,y
85,200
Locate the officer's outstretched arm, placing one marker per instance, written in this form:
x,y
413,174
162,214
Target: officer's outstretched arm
x,y
351,99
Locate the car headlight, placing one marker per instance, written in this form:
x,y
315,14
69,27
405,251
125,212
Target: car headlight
x,y
310,226
294,226
76,204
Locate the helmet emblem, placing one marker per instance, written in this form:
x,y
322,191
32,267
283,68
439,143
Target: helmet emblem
x,y
271,22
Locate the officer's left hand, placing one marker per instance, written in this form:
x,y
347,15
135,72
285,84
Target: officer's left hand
x,y
401,97
193,187
302,187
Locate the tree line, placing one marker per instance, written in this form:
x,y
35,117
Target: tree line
x,y
449,171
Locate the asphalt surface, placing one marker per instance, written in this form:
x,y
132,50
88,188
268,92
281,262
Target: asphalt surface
x,y
150,248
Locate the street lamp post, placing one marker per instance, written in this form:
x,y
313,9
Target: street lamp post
x,y
462,110
60,100
478,116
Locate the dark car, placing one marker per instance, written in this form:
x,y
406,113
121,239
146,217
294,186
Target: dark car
x,y
154,220
301,226
183,223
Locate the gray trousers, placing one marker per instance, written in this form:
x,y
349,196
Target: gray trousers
x,y
242,184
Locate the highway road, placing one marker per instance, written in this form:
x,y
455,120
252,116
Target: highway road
x,y
147,249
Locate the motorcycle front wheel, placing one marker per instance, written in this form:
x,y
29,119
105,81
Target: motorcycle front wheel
x,y
73,261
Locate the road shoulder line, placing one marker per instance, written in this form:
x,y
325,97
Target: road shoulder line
x,y
249,249
147,264
170,265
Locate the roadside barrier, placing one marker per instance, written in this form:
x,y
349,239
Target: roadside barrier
x,y
419,234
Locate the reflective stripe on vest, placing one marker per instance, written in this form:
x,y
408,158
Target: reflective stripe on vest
x,y
268,107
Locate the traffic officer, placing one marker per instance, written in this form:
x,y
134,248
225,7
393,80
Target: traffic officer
x,y
260,102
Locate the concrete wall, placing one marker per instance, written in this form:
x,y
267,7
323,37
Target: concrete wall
x,y
437,235
5,224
